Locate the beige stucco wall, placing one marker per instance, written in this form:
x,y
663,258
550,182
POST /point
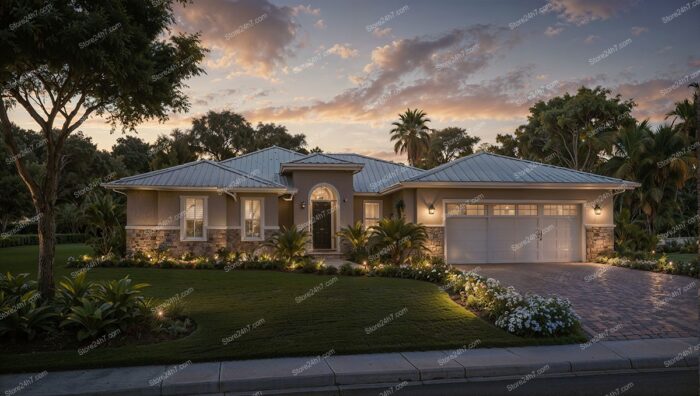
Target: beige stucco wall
x,y
286,213
304,181
141,208
162,208
424,197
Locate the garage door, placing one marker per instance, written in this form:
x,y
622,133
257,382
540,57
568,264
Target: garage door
x,y
511,233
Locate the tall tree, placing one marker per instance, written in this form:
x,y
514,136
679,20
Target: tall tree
x,y
448,144
134,153
267,135
174,149
684,117
221,135
573,131
81,59
411,135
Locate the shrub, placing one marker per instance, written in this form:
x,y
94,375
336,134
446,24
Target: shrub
x,y
396,240
662,264
330,270
288,244
346,269
90,318
309,266
529,315
25,314
358,237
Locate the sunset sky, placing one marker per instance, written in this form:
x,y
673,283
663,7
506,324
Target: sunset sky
x,y
341,71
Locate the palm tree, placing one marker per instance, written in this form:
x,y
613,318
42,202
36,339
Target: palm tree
x,y
398,240
289,244
358,238
104,217
685,113
411,135
696,99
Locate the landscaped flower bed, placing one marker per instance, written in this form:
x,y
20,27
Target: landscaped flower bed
x,y
662,264
84,315
528,315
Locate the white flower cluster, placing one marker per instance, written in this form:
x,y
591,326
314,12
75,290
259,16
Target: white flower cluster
x,y
521,315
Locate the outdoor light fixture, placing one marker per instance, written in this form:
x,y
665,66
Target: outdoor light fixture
x,y
597,210
303,204
431,209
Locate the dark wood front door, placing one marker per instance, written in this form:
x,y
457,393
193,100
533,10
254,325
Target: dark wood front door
x,y
321,224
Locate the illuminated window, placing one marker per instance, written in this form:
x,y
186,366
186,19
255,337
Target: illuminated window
x,y
252,219
372,213
194,219
527,210
322,194
462,209
504,210
560,210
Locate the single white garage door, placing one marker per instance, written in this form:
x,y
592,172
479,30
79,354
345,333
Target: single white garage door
x,y
512,233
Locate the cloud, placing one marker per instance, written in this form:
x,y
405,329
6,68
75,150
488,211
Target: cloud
x,y
553,31
254,36
637,30
381,32
406,73
305,9
654,97
320,24
694,62
591,39
344,51
581,12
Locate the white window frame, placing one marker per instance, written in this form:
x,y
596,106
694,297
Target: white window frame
x,y
364,217
493,210
183,218
568,214
465,207
262,219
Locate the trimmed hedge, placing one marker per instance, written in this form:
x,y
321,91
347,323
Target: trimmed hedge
x,y
648,263
33,239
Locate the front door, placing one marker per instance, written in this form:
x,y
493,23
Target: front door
x,y
321,220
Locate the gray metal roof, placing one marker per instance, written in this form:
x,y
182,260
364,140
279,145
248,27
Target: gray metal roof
x,y
264,163
485,167
318,158
376,175
199,174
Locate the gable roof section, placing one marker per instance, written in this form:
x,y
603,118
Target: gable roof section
x,y
264,163
377,175
197,174
485,167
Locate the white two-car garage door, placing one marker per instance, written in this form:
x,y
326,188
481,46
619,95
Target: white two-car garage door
x,y
512,233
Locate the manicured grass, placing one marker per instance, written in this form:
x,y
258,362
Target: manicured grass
x,y
335,318
682,257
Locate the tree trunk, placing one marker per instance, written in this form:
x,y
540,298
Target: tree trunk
x,y
47,250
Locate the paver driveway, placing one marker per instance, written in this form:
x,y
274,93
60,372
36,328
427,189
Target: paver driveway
x,y
617,303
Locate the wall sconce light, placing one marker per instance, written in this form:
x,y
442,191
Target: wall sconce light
x,y
303,204
431,209
597,210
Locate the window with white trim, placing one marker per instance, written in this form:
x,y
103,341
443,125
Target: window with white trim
x,y
194,220
371,213
527,210
504,210
462,209
252,219
560,210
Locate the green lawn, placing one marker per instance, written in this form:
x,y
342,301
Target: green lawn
x,y
224,302
681,257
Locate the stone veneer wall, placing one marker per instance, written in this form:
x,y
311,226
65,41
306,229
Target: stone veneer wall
x,y
148,240
598,240
436,240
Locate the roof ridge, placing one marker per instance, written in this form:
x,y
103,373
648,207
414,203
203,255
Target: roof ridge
x,y
318,154
258,151
438,168
380,160
241,173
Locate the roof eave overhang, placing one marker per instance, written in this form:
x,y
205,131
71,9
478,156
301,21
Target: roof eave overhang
x,y
275,190
320,167
504,185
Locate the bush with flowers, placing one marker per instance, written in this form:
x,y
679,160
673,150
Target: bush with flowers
x,y
650,263
528,315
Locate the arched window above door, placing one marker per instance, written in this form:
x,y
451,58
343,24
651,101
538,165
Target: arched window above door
x,y
322,194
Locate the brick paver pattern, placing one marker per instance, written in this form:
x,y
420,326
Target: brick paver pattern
x,y
617,303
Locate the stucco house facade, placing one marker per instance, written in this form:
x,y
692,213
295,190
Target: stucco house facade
x,y
483,208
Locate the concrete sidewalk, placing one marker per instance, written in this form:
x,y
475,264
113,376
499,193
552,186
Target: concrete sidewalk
x,y
637,367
